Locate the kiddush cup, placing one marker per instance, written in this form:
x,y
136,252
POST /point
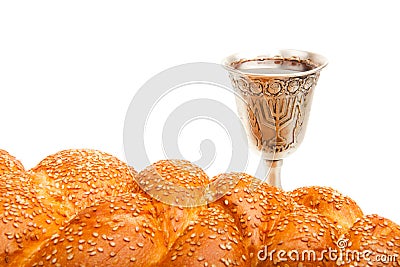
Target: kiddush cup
x,y
275,91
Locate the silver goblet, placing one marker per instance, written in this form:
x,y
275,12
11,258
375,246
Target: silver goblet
x,y
275,91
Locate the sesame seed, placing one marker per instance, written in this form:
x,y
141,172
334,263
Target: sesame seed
x,y
226,262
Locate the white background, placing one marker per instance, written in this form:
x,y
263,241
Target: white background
x,y
69,69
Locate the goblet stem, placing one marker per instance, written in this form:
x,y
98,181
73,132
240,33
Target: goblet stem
x,y
274,174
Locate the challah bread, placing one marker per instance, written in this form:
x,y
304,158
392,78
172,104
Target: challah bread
x,y
172,183
25,222
256,207
87,208
116,231
342,210
212,239
376,239
71,180
304,236
175,182
9,164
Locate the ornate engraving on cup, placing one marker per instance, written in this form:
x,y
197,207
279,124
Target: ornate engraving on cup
x,y
277,110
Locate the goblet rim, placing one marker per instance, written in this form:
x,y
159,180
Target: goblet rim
x,y
319,60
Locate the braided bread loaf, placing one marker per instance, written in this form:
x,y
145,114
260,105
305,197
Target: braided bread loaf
x,y
87,208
